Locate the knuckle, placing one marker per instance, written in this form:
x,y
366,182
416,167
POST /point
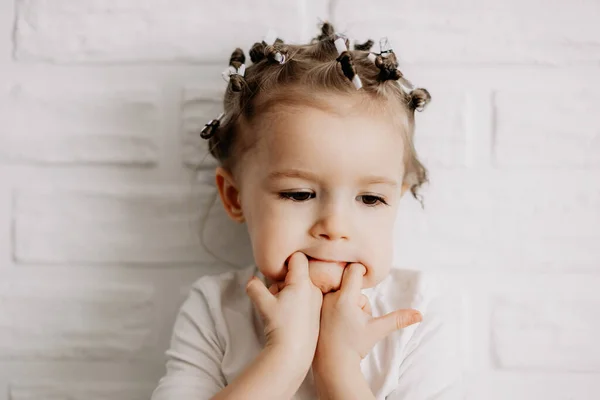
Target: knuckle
x,y
401,321
404,319
358,267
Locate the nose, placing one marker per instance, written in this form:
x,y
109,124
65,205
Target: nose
x,y
333,224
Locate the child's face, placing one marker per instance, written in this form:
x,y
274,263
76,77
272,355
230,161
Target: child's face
x,y
334,168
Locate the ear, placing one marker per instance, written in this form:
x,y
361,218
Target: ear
x,y
230,195
405,187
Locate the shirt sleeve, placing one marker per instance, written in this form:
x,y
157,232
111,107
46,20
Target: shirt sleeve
x,y
433,367
193,368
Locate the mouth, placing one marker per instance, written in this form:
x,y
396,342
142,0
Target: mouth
x,y
326,274
314,259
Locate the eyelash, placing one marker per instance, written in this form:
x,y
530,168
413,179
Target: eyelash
x,y
290,196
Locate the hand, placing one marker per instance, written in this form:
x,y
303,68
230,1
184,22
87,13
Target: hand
x,y
348,331
290,311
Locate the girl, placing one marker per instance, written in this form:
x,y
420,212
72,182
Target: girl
x,y
315,149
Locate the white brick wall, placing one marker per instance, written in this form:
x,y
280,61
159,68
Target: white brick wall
x,y
99,102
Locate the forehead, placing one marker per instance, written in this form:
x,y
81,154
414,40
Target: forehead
x,y
348,140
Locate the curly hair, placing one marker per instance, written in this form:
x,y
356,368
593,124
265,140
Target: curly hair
x,y
290,75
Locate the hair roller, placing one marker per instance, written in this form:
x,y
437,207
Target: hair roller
x,y
347,63
237,69
272,50
419,98
388,67
274,54
211,127
257,52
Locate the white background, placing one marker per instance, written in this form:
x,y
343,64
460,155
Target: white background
x,y
100,102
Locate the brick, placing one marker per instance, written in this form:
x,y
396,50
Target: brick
x,y
56,389
541,331
82,126
152,30
559,130
496,219
478,32
86,321
440,138
144,225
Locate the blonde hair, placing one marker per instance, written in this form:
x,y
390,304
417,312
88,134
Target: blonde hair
x,y
307,71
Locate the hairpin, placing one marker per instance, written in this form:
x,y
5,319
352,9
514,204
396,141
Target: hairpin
x,y
385,49
345,58
270,40
231,70
211,127
420,98
236,69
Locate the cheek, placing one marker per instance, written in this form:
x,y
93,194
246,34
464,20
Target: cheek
x,y
380,255
274,236
380,268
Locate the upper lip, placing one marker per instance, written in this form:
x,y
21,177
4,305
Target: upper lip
x,y
326,259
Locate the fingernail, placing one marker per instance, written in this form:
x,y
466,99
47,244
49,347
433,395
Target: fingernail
x,y
362,267
417,317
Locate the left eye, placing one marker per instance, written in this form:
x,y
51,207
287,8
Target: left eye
x,y
371,200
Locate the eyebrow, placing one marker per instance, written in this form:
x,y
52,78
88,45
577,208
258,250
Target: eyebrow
x,y
374,180
294,173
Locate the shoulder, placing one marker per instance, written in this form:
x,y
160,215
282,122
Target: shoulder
x,y
214,287
209,295
199,340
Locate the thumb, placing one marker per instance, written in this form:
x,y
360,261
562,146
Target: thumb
x,y
382,326
260,295
274,289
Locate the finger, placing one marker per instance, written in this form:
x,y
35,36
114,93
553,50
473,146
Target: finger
x,y
382,326
362,301
274,289
260,295
352,280
365,304
278,286
297,268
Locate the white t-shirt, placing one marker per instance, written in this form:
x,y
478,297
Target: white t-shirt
x,y
218,333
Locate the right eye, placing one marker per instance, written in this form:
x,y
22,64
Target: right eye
x,y
297,196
